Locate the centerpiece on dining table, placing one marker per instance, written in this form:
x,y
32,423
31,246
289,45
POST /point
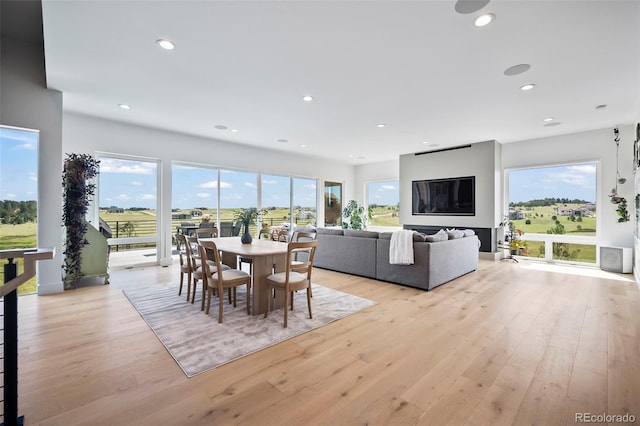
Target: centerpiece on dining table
x,y
248,217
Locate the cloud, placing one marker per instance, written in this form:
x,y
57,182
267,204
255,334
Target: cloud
x,y
25,139
26,146
213,184
387,188
203,195
114,165
269,181
574,175
10,196
123,197
33,176
136,183
146,197
250,185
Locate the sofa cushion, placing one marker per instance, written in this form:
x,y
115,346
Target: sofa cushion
x,y
468,232
417,236
454,233
359,233
329,231
441,235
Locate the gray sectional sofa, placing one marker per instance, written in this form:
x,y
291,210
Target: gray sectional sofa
x,y
366,253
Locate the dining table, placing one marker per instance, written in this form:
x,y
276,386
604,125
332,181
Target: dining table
x,y
267,256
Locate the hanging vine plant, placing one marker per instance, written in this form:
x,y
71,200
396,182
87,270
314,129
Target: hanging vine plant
x,y
78,190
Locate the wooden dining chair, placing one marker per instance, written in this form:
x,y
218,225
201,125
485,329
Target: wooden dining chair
x,y
290,280
185,263
206,233
218,278
196,268
298,263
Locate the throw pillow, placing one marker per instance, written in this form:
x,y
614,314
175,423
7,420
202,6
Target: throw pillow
x,y
454,233
469,232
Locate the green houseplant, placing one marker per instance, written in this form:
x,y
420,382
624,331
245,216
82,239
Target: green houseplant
x,y
78,190
248,217
354,216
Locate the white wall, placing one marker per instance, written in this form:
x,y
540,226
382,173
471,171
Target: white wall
x,y
596,145
89,135
480,160
26,103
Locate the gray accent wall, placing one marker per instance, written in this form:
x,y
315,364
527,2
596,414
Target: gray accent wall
x,y
25,102
482,160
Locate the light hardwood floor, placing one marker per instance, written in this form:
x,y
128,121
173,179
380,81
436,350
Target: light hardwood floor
x,y
506,344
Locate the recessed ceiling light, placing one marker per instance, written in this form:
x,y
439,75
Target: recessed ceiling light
x,y
465,7
124,106
381,125
517,69
603,106
303,146
307,98
234,130
220,127
484,20
166,44
527,87
282,140
548,119
555,123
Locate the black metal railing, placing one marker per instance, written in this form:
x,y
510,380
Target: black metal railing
x,y
9,294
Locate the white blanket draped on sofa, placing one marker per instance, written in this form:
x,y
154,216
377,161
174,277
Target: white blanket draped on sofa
x,y
401,248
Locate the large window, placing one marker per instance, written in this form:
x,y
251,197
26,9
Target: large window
x,y
18,194
304,201
553,212
194,194
238,190
276,200
384,201
128,204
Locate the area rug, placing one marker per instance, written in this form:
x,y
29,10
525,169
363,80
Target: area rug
x,y
199,343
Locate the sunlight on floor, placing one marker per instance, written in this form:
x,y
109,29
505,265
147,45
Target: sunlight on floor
x,y
585,271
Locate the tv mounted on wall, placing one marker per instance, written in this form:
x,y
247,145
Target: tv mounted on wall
x,y
452,196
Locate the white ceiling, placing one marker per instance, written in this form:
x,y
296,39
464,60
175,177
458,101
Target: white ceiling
x,y
418,66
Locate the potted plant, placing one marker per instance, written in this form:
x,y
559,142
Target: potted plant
x,y
78,188
354,216
247,217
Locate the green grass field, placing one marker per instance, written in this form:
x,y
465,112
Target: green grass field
x,y
19,236
540,219
384,216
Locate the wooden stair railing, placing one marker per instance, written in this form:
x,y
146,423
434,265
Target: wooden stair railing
x,y
9,294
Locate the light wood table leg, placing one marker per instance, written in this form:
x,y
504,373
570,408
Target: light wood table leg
x,y
262,268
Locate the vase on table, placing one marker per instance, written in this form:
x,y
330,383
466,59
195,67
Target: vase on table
x,y
246,236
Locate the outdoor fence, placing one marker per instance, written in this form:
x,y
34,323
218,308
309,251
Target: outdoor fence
x,y
147,227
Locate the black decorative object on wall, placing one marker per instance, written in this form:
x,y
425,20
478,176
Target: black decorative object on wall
x,y
79,170
636,149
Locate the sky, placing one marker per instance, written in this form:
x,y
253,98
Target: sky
x,y
127,183
18,164
384,193
576,181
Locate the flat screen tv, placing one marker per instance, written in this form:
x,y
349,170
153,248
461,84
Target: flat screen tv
x,y
452,196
